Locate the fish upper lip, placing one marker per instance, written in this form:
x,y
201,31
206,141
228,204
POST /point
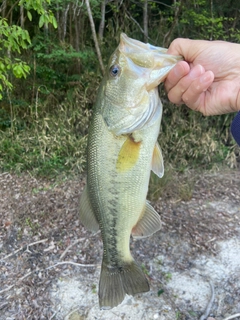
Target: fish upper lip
x,y
130,47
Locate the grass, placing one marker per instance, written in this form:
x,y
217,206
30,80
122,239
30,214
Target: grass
x,y
46,142
173,184
49,138
188,139
45,153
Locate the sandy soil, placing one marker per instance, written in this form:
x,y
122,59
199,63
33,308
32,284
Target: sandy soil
x,y
50,265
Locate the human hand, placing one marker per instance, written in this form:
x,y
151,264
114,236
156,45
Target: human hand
x,y
209,79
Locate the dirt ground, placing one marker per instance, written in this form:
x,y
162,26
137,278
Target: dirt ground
x,y
50,265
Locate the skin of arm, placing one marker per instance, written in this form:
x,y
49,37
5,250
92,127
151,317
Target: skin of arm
x,y
208,80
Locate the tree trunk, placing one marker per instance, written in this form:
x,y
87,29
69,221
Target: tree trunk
x,y
3,8
102,23
77,36
167,37
22,16
58,22
145,20
65,15
94,35
70,26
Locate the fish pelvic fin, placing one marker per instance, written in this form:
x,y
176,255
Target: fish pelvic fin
x,y
128,155
86,213
148,223
157,161
116,282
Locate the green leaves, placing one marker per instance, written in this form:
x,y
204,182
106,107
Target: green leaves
x,y
37,5
40,6
20,69
47,18
14,38
202,20
29,15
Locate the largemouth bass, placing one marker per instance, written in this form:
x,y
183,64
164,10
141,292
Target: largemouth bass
x,y
122,150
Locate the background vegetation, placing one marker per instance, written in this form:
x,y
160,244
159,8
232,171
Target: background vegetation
x,y
50,72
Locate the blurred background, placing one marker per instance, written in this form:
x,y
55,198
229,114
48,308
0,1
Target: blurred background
x,y
50,72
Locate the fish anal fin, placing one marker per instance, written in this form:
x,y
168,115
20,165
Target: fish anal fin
x,y
116,282
148,223
86,213
157,161
128,155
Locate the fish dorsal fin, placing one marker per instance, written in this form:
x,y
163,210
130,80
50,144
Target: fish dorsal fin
x,y
128,154
157,161
86,213
148,223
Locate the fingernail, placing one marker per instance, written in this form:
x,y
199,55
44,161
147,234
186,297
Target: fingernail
x,y
196,71
178,70
206,77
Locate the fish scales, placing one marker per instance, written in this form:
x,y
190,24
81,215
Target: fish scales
x,y
122,151
125,186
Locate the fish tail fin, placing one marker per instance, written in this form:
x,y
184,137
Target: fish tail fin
x,y
115,282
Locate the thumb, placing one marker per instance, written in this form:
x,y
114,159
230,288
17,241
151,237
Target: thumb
x,y
183,47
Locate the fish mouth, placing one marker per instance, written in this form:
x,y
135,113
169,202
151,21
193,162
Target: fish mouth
x,y
146,55
150,57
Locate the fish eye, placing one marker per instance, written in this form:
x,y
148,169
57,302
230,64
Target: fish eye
x,y
114,70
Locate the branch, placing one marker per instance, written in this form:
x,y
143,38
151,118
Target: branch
x,y
19,280
69,247
167,36
72,263
23,247
233,316
209,306
11,9
76,242
40,270
141,29
162,3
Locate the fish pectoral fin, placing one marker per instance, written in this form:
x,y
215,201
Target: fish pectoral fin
x,y
148,223
157,161
128,155
86,213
